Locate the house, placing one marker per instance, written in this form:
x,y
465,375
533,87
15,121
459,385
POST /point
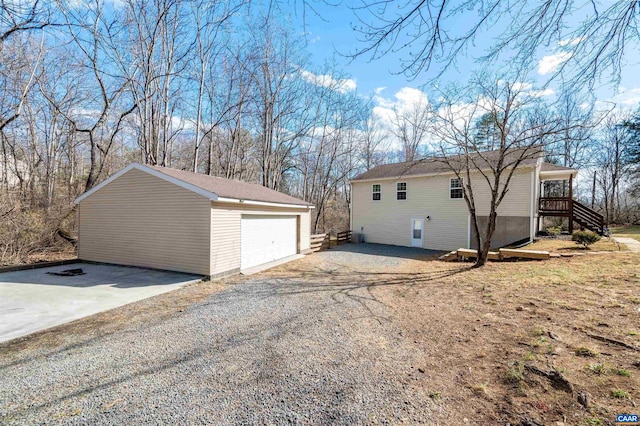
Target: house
x,y
13,170
420,204
170,219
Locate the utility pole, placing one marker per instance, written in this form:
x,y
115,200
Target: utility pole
x,y
593,190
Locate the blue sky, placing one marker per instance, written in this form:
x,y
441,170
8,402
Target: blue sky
x,y
331,34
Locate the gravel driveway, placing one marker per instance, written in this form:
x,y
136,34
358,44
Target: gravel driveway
x,y
305,343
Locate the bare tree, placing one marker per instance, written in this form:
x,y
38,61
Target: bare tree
x,y
109,83
102,116
373,142
19,62
280,104
160,44
518,125
325,157
230,142
210,20
427,33
572,149
612,164
410,125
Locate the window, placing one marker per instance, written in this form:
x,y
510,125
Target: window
x,y
401,191
455,189
376,192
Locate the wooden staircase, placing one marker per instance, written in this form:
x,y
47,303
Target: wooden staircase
x,y
587,218
575,211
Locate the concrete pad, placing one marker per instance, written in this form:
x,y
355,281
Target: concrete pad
x,y
631,243
265,266
33,300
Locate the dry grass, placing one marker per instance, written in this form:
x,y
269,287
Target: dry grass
x,y
483,333
478,330
566,245
483,325
632,231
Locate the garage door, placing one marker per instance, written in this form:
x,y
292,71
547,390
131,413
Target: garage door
x,y
267,238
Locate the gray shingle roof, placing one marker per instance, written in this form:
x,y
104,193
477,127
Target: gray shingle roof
x,y
548,167
228,188
433,165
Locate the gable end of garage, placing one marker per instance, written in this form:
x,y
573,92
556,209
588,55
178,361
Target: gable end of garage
x,y
209,195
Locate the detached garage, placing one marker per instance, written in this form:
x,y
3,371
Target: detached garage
x,y
163,218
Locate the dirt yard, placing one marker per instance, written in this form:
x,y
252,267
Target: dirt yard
x,y
563,244
492,339
356,333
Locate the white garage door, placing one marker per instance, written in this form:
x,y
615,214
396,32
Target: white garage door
x,y
267,238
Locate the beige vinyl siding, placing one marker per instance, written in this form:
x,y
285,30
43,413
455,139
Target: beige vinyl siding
x,y
225,231
388,221
141,220
305,231
517,202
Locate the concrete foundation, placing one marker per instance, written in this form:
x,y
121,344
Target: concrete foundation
x,y
509,229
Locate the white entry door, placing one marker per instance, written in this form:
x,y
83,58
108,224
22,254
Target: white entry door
x,y
417,232
264,239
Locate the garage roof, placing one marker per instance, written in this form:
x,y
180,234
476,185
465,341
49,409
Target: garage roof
x,y
214,188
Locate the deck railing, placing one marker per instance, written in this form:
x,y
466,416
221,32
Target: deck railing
x,y
555,205
566,207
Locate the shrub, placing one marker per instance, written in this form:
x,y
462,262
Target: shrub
x,y
584,351
554,231
585,238
619,393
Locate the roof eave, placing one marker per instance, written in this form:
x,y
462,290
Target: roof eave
x,y
445,172
263,203
557,174
193,188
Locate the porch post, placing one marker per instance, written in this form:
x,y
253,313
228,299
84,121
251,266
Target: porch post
x,y
571,203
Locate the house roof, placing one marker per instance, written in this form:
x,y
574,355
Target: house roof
x,y
550,171
548,167
214,188
434,165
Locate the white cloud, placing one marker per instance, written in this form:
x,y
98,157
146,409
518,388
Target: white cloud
x,y
404,100
550,63
570,42
625,99
379,90
325,80
82,4
521,87
630,97
542,93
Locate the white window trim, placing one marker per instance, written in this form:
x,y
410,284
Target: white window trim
x,y
406,192
379,192
452,188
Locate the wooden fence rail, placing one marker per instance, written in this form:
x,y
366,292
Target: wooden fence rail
x,y
344,237
319,242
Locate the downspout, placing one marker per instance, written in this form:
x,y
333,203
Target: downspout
x,y
469,231
535,186
533,196
351,206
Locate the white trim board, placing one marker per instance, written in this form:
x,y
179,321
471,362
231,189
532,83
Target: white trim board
x,y
262,203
